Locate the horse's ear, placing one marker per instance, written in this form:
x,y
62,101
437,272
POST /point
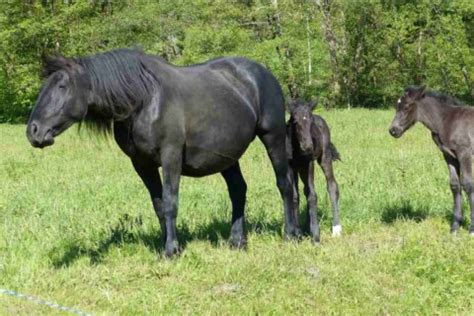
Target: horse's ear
x,y
51,64
416,93
313,103
290,105
420,93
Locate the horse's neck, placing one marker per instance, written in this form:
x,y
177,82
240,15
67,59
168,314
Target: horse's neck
x,y
431,113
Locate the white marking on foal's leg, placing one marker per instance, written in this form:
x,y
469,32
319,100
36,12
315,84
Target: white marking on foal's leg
x,y
336,230
471,234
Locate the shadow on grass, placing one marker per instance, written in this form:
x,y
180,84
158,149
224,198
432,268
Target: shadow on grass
x,y
129,231
403,211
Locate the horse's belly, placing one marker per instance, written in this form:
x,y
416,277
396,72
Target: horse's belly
x,y
199,162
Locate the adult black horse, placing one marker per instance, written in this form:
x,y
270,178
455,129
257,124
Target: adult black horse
x,y
192,121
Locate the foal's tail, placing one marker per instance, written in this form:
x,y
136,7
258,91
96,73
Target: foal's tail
x,y
334,153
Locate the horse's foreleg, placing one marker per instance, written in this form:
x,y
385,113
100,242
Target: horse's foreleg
x,y
333,190
276,149
466,180
237,191
148,172
307,176
171,161
454,175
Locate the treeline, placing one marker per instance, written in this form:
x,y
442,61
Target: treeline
x,y
350,53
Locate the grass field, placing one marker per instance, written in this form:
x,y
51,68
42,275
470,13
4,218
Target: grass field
x,y
77,228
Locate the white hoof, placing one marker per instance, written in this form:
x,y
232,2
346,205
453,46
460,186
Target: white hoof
x,y
471,234
336,231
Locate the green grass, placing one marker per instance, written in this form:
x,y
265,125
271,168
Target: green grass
x,y
77,228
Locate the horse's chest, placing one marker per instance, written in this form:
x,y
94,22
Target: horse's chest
x,y
135,143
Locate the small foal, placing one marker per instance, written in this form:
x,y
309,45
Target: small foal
x,y
309,139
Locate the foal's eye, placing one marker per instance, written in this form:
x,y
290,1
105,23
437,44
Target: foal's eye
x,y
62,87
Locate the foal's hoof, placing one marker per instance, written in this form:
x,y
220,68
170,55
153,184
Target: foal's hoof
x,y
336,231
172,249
238,243
454,228
316,240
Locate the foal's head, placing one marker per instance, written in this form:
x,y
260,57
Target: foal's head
x,y
406,112
61,102
301,118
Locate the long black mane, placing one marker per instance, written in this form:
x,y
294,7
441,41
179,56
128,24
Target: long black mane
x,y
121,81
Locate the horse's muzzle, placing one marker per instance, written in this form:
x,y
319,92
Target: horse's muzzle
x,y
39,137
395,132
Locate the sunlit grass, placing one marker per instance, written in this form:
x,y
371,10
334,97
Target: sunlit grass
x,y
77,227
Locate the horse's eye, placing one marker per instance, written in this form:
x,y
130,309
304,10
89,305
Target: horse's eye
x,y
62,87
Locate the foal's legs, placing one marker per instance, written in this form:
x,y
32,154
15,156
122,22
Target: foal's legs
x,y
333,190
454,175
296,194
237,190
148,172
276,148
307,176
465,160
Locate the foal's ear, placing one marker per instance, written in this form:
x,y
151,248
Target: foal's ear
x,y
312,104
290,105
51,64
417,93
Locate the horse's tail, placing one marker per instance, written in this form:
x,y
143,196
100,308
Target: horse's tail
x,y
334,153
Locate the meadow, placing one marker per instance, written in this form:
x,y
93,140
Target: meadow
x,y
77,228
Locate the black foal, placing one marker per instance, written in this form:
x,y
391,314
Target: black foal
x,y
309,139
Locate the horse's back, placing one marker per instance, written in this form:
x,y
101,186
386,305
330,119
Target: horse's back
x,y
460,126
267,95
221,106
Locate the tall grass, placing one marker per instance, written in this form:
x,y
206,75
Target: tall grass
x,y
77,227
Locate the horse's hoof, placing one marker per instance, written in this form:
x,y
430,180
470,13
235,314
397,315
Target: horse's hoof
x,y
293,234
316,240
337,231
454,229
238,243
172,249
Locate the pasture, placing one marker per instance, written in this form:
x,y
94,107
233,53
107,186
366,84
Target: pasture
x,y
77,228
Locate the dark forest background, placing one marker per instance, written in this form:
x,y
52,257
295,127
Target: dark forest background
x,y
350,53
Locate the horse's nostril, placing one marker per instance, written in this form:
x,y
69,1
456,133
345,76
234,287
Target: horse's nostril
x,y
34,128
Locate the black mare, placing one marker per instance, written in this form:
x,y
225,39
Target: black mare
x,y
452,129
309,139
192,121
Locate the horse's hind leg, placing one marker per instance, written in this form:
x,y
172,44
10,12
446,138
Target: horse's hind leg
x,y
466,174
275,144
454,175
148,172
307,176
237,191
333,190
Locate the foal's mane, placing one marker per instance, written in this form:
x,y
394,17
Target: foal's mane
x,y
442,98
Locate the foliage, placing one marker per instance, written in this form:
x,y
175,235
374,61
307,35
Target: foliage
x,y
85,234
350,53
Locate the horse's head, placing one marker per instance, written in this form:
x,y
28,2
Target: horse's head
x,y
406,112
301,113
62,101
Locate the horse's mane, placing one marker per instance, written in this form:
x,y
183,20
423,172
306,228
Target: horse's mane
x,y
121,80
442,98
